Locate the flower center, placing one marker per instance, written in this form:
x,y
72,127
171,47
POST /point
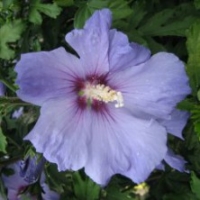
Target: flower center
x,y
102,93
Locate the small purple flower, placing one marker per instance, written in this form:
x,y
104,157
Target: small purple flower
x,y
2,89
18,113
26,172
107,110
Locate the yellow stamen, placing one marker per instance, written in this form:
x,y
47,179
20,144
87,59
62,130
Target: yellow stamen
x,y
141,189
104,93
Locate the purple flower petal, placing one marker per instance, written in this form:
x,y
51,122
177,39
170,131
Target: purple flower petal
x,y
126,145
2,89
176,123
17,113
46,75
122,54
64,137
25,173
154,87
161,166
15,181
92,42
31,169
104,145
175,161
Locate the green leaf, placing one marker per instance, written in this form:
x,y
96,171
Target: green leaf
x,y
57,180
119,8
51,10
193,47
154,46
198,95
177,28
7,3
196,119
64,2
85,188
156,21
35,17
170,21
195,185
3,142
81,16
24,197
10,32
114,192
2,190
137,15
197,4
184,196
186,104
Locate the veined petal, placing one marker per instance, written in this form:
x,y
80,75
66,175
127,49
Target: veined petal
x,y
105,144
175,161
92,42
124,144
63,138
154,87
176,123
46,75
123,54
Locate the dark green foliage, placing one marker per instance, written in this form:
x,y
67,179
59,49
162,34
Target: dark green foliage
x,y
3,142
84,188
36,7
195,184
10,32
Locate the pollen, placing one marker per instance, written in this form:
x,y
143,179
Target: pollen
x,y
103,93
141,189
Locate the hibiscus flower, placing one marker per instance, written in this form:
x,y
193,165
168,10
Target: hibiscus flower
x,y
107,110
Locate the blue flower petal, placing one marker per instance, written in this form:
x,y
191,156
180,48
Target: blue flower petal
x,y
175,161
153,88
25,173
122,54
92,42
46,75
123,144
104,143
63,139
176,123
